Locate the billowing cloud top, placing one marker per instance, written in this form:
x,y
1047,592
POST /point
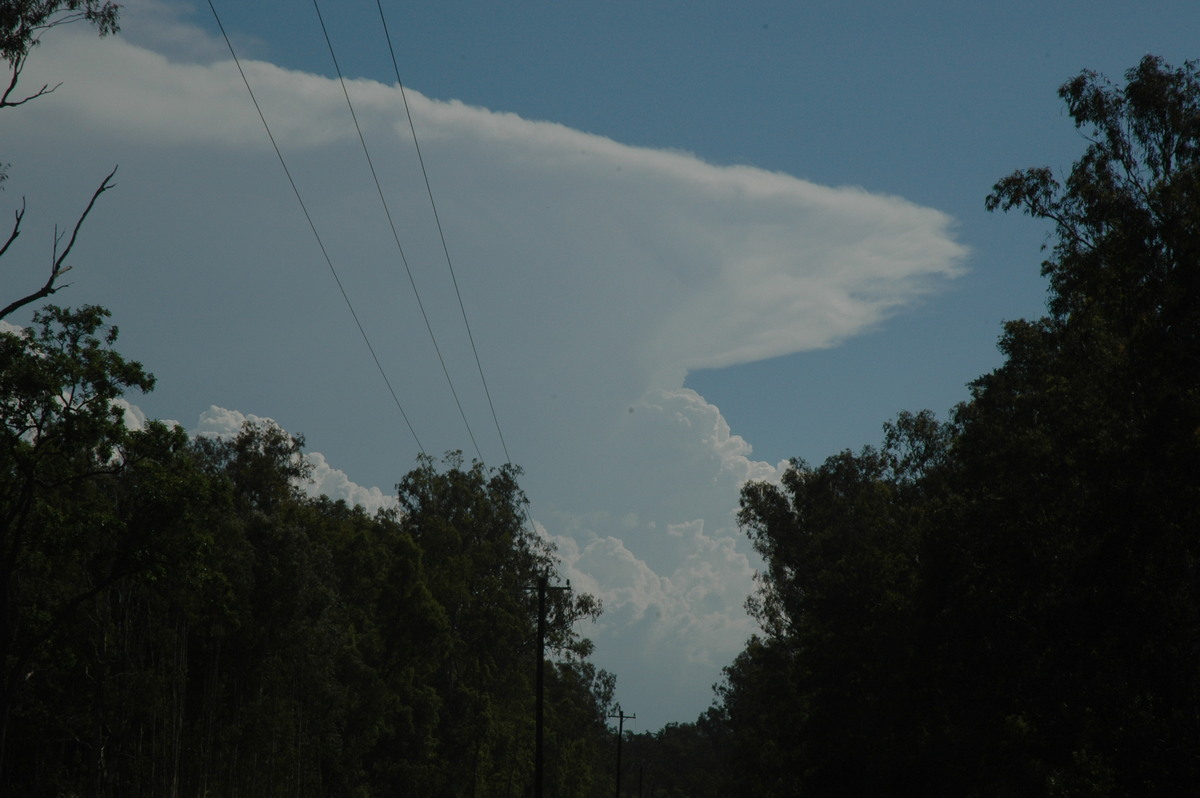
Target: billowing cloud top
x,y
594,275
323,480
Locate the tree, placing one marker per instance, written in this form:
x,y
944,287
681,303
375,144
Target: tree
x,y
480,560
1086,440
840,601
179,618
60,435
1009,604
22,25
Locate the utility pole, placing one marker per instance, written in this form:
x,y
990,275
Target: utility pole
x,y
538,770
621,716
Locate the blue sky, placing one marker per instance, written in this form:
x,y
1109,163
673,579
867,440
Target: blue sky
x,y
693,240
930,101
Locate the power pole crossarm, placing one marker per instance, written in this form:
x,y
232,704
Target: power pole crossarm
x,y
620,716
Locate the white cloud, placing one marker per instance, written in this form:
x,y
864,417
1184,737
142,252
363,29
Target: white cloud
x,y
673,570
594,274
325,480
133,416
685,409
165,28
219,422
694,609
328,481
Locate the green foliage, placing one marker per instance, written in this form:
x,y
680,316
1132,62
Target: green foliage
x,y
1008,604
1092,423
844,547
22,22
179,618
684,760
61,440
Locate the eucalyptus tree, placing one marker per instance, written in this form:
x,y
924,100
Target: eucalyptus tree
x,y
22,25
1009,603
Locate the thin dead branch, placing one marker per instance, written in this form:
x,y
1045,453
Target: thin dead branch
x,y
58,262
16,230
17,65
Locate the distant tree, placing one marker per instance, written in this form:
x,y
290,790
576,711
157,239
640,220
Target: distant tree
x,y
22,25
480,561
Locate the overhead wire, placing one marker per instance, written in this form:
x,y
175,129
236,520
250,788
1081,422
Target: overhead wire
x,y
396,235
312,225
446,251
441,234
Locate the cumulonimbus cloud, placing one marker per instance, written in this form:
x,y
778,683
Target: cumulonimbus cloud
x,y
594,275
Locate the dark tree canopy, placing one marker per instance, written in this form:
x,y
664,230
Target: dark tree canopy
x,y
178,617
23,22
1009,603
1004,603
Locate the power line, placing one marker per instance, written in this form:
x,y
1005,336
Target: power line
x,y
543,581
437,219
313,227
396,235
441,234
445,249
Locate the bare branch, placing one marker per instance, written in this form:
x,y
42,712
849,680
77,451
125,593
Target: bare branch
x,y
57,268
17,65
105,185
16,230
45,89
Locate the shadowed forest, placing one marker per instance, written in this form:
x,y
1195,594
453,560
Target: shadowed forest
x,y
1003,603
1008,602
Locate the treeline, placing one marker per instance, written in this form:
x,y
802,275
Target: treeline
x,y
1006,603
1003,603
179,619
